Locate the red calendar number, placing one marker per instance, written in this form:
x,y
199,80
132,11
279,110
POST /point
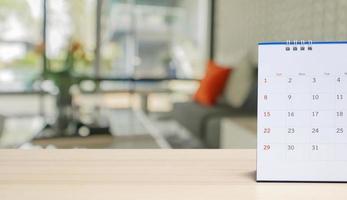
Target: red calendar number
x,y
267,130
267,114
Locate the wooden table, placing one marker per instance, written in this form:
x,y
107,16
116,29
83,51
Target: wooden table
x,y
145,174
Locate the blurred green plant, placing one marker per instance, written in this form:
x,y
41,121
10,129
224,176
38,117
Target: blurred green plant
x,y
63,79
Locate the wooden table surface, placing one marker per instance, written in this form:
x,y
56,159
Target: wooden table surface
x,y
145,174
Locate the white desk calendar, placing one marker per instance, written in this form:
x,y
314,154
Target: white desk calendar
x,y
302,111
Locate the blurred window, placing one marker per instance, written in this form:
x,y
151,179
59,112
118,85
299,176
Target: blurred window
x,y
154,38
20,33
71,21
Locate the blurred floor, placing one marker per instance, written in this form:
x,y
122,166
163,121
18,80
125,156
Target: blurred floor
x,y
23,122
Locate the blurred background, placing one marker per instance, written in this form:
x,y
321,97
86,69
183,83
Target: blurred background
x,y
131,73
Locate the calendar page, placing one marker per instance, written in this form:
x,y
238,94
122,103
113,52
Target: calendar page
x,y
302,111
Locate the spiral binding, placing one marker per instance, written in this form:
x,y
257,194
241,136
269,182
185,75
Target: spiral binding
x,y
301,45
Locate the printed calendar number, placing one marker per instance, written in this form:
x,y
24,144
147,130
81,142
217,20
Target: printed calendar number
x,y
339,130
315,97
290,97
339,114
291,130
267,114
267,130
291,114
266,147
315,147
291,147
315,114
315,130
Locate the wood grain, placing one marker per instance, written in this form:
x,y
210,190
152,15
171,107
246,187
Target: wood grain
x,y
145,174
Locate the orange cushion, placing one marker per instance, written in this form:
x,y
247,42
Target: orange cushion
x,y
212,85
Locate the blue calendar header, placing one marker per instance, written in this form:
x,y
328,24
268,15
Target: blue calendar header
x,y
300,43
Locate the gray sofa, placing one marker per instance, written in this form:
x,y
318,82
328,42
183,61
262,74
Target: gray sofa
x,y
204,122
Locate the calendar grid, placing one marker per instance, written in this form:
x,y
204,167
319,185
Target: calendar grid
x,y
302,110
